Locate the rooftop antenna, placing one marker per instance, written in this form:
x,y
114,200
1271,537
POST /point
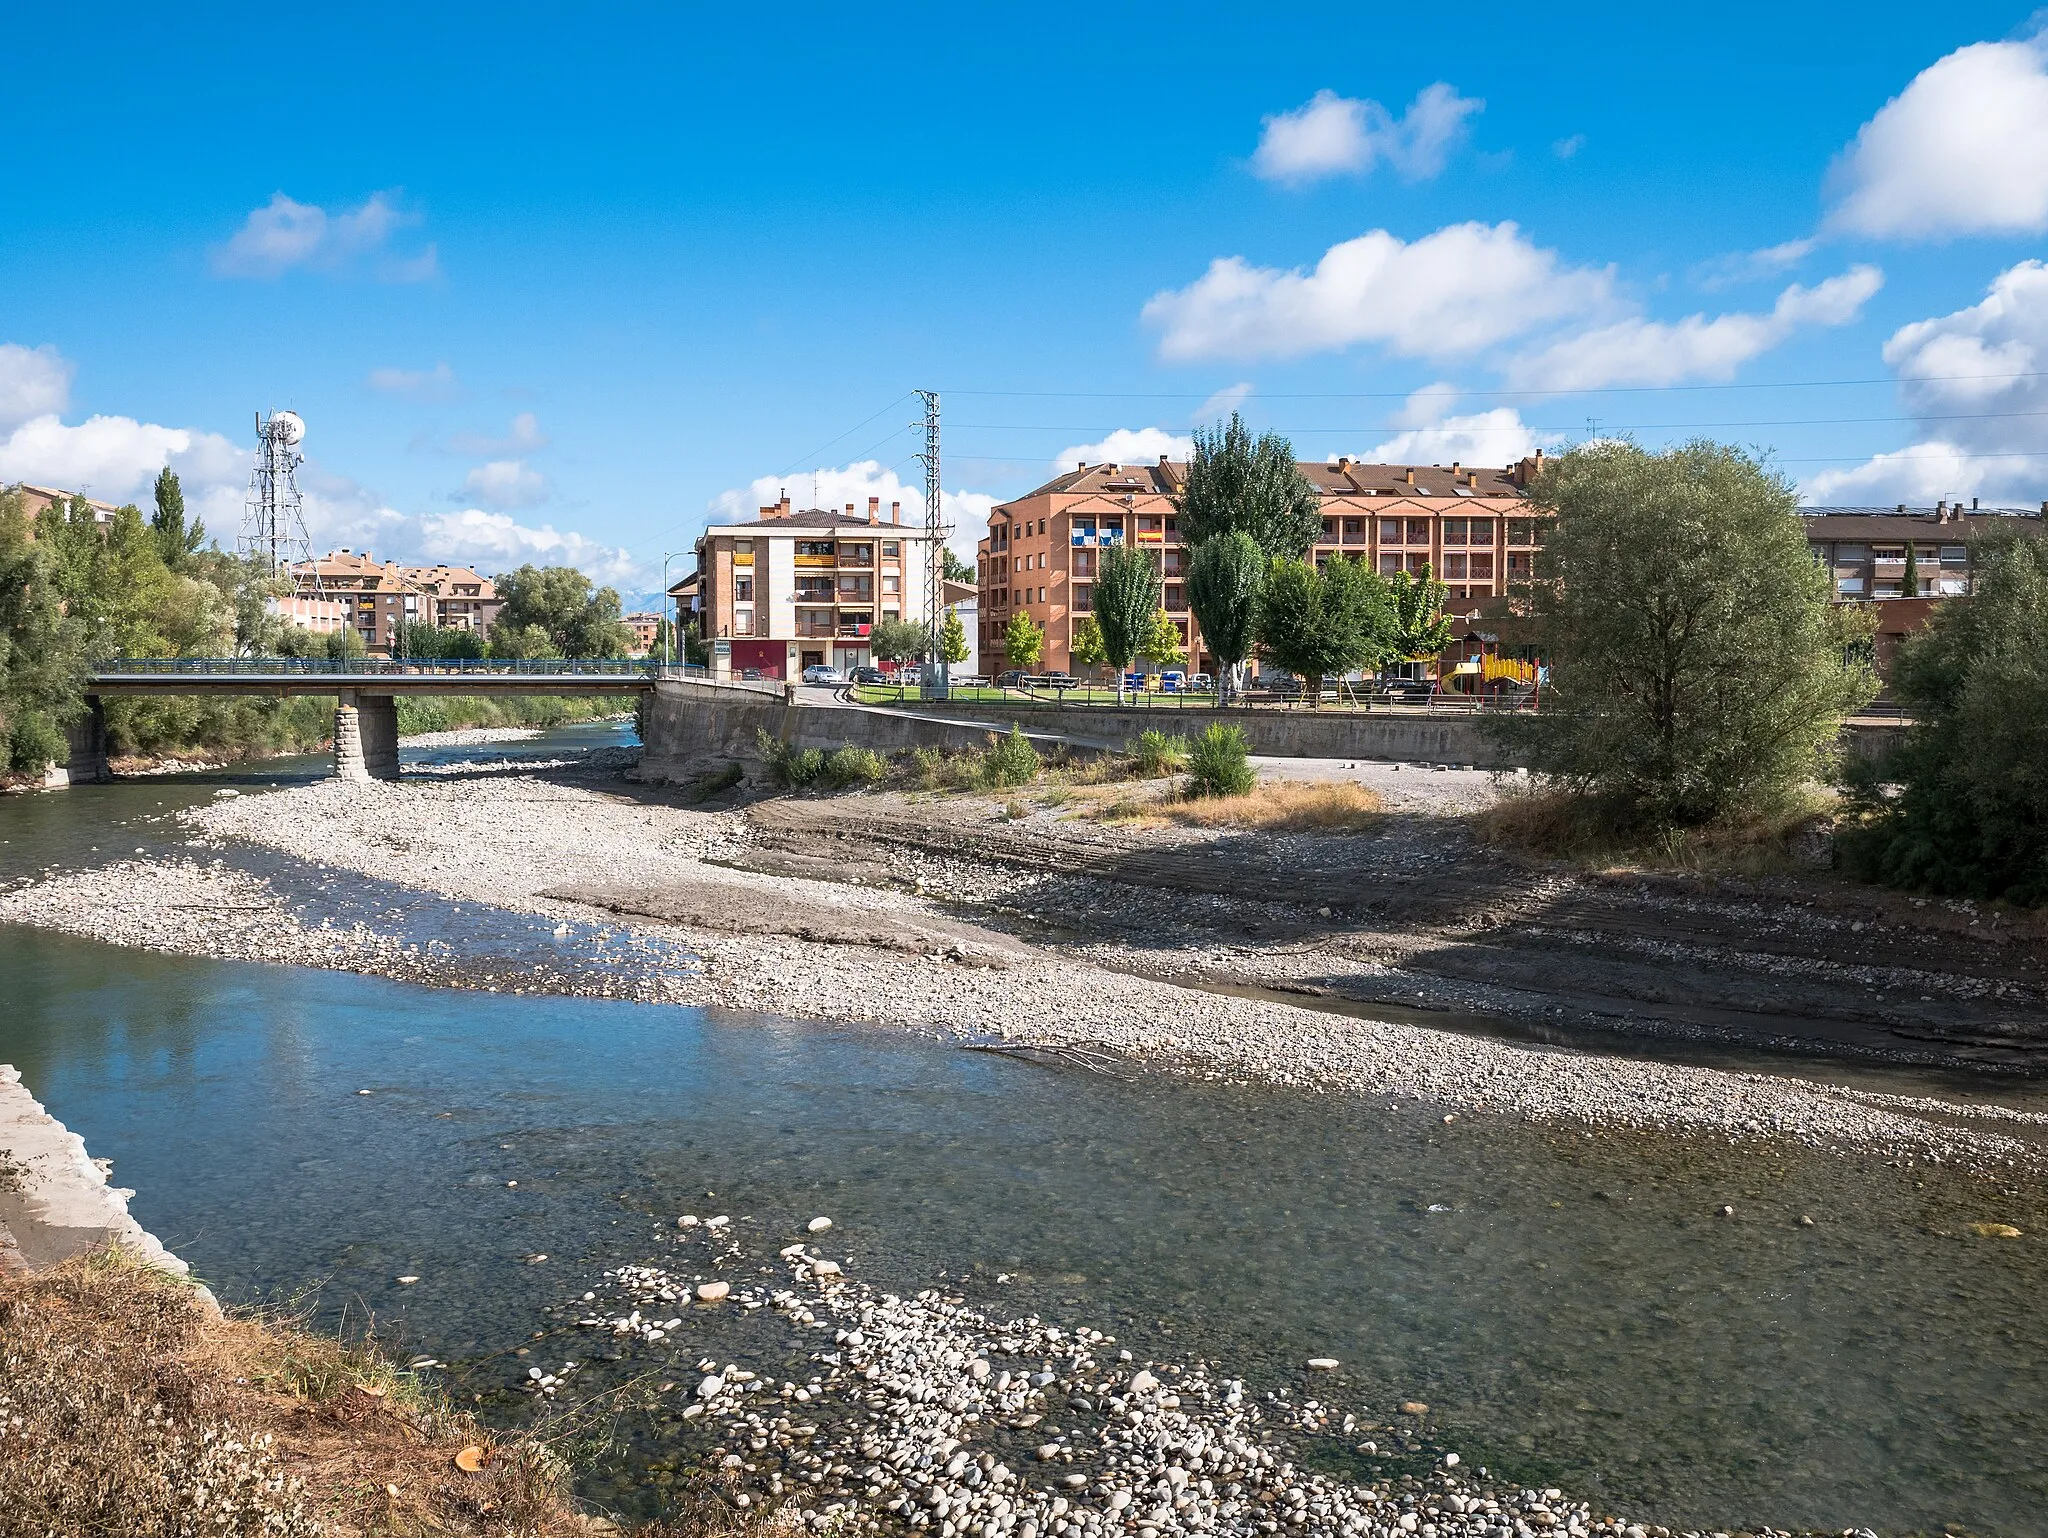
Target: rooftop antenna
x,y
273,518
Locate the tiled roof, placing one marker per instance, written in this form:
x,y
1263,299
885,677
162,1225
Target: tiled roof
x,y
1341,477
820,518
1854,523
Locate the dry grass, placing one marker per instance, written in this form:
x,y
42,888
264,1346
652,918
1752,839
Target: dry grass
x,y
1274,806
1554,823
127,1408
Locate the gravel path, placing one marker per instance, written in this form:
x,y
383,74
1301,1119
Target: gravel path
x,y
487,844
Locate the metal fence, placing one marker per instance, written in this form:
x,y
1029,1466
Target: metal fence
x,y
1094,697
386,667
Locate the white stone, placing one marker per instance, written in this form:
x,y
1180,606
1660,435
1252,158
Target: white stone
x,y
818,1225
712,1292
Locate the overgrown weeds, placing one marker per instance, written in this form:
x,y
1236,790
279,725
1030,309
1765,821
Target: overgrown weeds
x,y
1156,755
1276,806
1219,764
1557,822
127,1407
1010,760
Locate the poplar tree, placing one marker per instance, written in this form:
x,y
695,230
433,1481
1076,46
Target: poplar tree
x,y
1236,481
1126,596
1223,590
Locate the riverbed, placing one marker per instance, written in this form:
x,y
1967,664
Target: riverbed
x,y
1578,1307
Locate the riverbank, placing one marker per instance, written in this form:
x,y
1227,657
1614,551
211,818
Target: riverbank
x,y
639,897
130,1406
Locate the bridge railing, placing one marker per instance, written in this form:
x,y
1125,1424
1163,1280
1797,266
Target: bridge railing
x,y
386,667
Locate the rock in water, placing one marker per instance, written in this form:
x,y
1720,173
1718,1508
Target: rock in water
x,y
818,1225
1143,1382
1322,1364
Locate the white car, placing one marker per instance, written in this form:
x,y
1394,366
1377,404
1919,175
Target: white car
x,y
818,673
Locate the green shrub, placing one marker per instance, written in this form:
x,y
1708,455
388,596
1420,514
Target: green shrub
x,y
927,767
1158,755
35,742
851,766
1218,764
1010,760
705,786
416,716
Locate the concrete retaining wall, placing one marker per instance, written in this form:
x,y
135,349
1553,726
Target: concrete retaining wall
x,y
693,728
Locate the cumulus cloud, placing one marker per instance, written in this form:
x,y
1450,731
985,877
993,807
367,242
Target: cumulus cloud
x,y
1636,351
34,382
1127,446
966,512
115,459
1450,294
286,234
1433,436
1962,150
1332,135
1974,380
495,542
1564,149
506,483
1750,266
433,384
523,437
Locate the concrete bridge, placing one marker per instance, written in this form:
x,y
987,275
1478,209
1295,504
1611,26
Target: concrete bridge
x,y
366,690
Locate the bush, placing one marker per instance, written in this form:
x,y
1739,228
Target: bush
x,y
1010,760
853,766
1158,755
705,786
1971,815
1219,763
35,742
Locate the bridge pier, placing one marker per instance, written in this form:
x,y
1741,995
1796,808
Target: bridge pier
x,y
86,739
366,736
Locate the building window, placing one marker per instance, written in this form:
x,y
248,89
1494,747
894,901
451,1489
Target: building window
x,y
743,622
1482,566
743,589
891,550
1454,532
743,552
1954,555
1418,531
891,582
1481,533
1389,564
1454,565
1390,531
1084,597
1520,566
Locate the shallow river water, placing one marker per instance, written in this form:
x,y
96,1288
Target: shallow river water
x,y
1574,1307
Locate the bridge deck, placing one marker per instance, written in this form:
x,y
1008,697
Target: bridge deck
x,y
293,675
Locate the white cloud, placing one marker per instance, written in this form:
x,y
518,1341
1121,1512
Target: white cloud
x,y
1434,437
285,234
434,384
1648,352
1750,266
494,542
1222,403
966,512
1974,380
506,483
1450,294
1332,135
523,437
1564,149
34,382
115,459
1962,150
1126,446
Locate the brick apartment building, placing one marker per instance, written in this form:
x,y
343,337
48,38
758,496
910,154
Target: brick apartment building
x,y
1864,550
1472,526
381,595
795,588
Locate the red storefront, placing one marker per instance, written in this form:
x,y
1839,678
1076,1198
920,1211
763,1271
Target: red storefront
x,y
770,658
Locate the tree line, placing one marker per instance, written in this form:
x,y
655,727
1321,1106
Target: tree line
x,y
75,593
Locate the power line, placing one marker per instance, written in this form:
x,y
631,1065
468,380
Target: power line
x,y
1393,395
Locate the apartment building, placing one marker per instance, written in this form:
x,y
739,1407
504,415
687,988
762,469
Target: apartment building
x,y
381,595
1864,550
1471,525
34,499
795,588
644,627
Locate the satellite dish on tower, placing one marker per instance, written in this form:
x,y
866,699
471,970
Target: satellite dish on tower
x,y
288,425
273,517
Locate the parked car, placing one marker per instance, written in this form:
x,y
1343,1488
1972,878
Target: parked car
x,y
750,672
869,675
1201,683
1174,681
1408,688
1012,679
819,673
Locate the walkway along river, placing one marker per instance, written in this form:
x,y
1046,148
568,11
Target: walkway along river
x,y
1578,1309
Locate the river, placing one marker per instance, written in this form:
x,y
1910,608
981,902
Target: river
x,y
1575,1307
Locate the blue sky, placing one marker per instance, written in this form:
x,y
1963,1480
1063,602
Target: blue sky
x,y
559,283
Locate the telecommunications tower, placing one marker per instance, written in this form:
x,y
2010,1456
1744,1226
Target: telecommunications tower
x,y
936,669
273,521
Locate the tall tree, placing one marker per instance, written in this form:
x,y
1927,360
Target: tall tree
x,y
1324,623
174,541
1086,646
896,640
1236,481
559,601
1125,596
1023,642
1421,628
953,639
1162,645
955,569
1909,583
1698,666
1223,581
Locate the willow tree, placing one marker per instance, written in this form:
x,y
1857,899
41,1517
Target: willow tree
x,y
1125,597
1236,481
1223,580
1698,666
